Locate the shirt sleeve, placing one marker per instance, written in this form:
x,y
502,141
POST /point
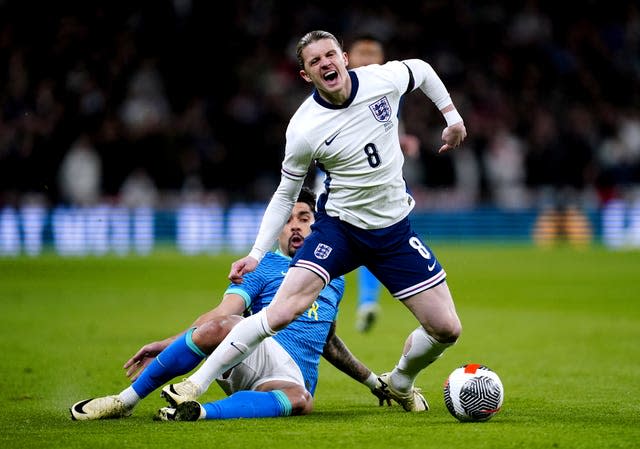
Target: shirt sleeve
x,y
251,287
276,214
297,153
295,166
428,81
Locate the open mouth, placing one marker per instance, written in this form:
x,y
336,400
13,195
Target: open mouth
x,y
296,240
330,76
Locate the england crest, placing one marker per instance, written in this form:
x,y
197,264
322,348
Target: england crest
x,y
322,251
381,110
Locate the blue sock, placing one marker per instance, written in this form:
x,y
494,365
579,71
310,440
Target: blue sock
x,y
179,357
250,404
368,288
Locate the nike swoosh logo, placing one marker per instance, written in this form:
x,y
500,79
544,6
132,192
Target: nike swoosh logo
x,y
331,139
431,267
284,273
79,408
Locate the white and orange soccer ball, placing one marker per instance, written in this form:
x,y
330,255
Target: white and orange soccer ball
x,y
473,392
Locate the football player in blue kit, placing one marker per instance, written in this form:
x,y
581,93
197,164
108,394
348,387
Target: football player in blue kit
x,y
349,126
278,379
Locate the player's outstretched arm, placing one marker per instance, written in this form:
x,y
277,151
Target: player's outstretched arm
x,y
231,304
427,80
145,355
337,353
275,216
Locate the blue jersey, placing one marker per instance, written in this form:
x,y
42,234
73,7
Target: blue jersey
x,y
305,337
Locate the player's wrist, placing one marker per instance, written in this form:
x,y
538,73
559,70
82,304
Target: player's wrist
x,y
452,117
256,253
371,381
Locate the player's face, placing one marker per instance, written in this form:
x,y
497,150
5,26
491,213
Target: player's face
x,y
325,65
296,229
365,52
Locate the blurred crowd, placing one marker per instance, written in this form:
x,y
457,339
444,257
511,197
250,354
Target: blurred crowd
x,y
144,103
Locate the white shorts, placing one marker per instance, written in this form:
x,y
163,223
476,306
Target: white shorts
x,y
269,361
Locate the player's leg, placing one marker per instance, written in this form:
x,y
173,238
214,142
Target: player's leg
x,y
299,401
324,255
298,291
184,354
368,296
440,328
268,383
180,357
435,310
284,400
414,276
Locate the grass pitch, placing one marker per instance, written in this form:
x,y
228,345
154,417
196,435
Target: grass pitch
x,y
561,327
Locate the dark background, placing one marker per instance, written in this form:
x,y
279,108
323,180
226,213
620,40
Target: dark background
x,y
195,95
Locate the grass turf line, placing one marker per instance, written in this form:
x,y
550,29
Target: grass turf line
x,y
559,326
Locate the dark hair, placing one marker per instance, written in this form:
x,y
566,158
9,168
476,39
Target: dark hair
x,y
364,37
307,196
310,38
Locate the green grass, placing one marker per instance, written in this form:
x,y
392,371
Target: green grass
x,y
561,327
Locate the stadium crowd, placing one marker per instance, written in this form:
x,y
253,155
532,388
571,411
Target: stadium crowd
x,y
142,102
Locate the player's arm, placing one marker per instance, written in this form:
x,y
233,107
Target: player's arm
x,y
337,353
231,304
275,216
423,76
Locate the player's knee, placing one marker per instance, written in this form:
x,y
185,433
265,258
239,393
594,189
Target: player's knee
x,y
448,332
301,401
209,335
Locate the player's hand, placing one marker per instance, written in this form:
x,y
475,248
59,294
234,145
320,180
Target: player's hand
x,y
137,364
382,394
453,136
241,267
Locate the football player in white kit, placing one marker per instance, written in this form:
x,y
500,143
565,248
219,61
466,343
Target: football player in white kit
x,y
349,126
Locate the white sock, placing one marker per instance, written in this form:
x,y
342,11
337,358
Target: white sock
x,y
236,346
423,351
129,397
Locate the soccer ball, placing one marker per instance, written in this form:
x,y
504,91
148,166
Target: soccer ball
x,y
473,392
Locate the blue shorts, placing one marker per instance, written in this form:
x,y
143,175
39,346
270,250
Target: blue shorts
x,y
396,255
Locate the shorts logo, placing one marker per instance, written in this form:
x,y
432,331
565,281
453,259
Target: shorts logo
x,y
381,110
322,251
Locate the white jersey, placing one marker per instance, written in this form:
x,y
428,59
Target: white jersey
x,y
357,145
